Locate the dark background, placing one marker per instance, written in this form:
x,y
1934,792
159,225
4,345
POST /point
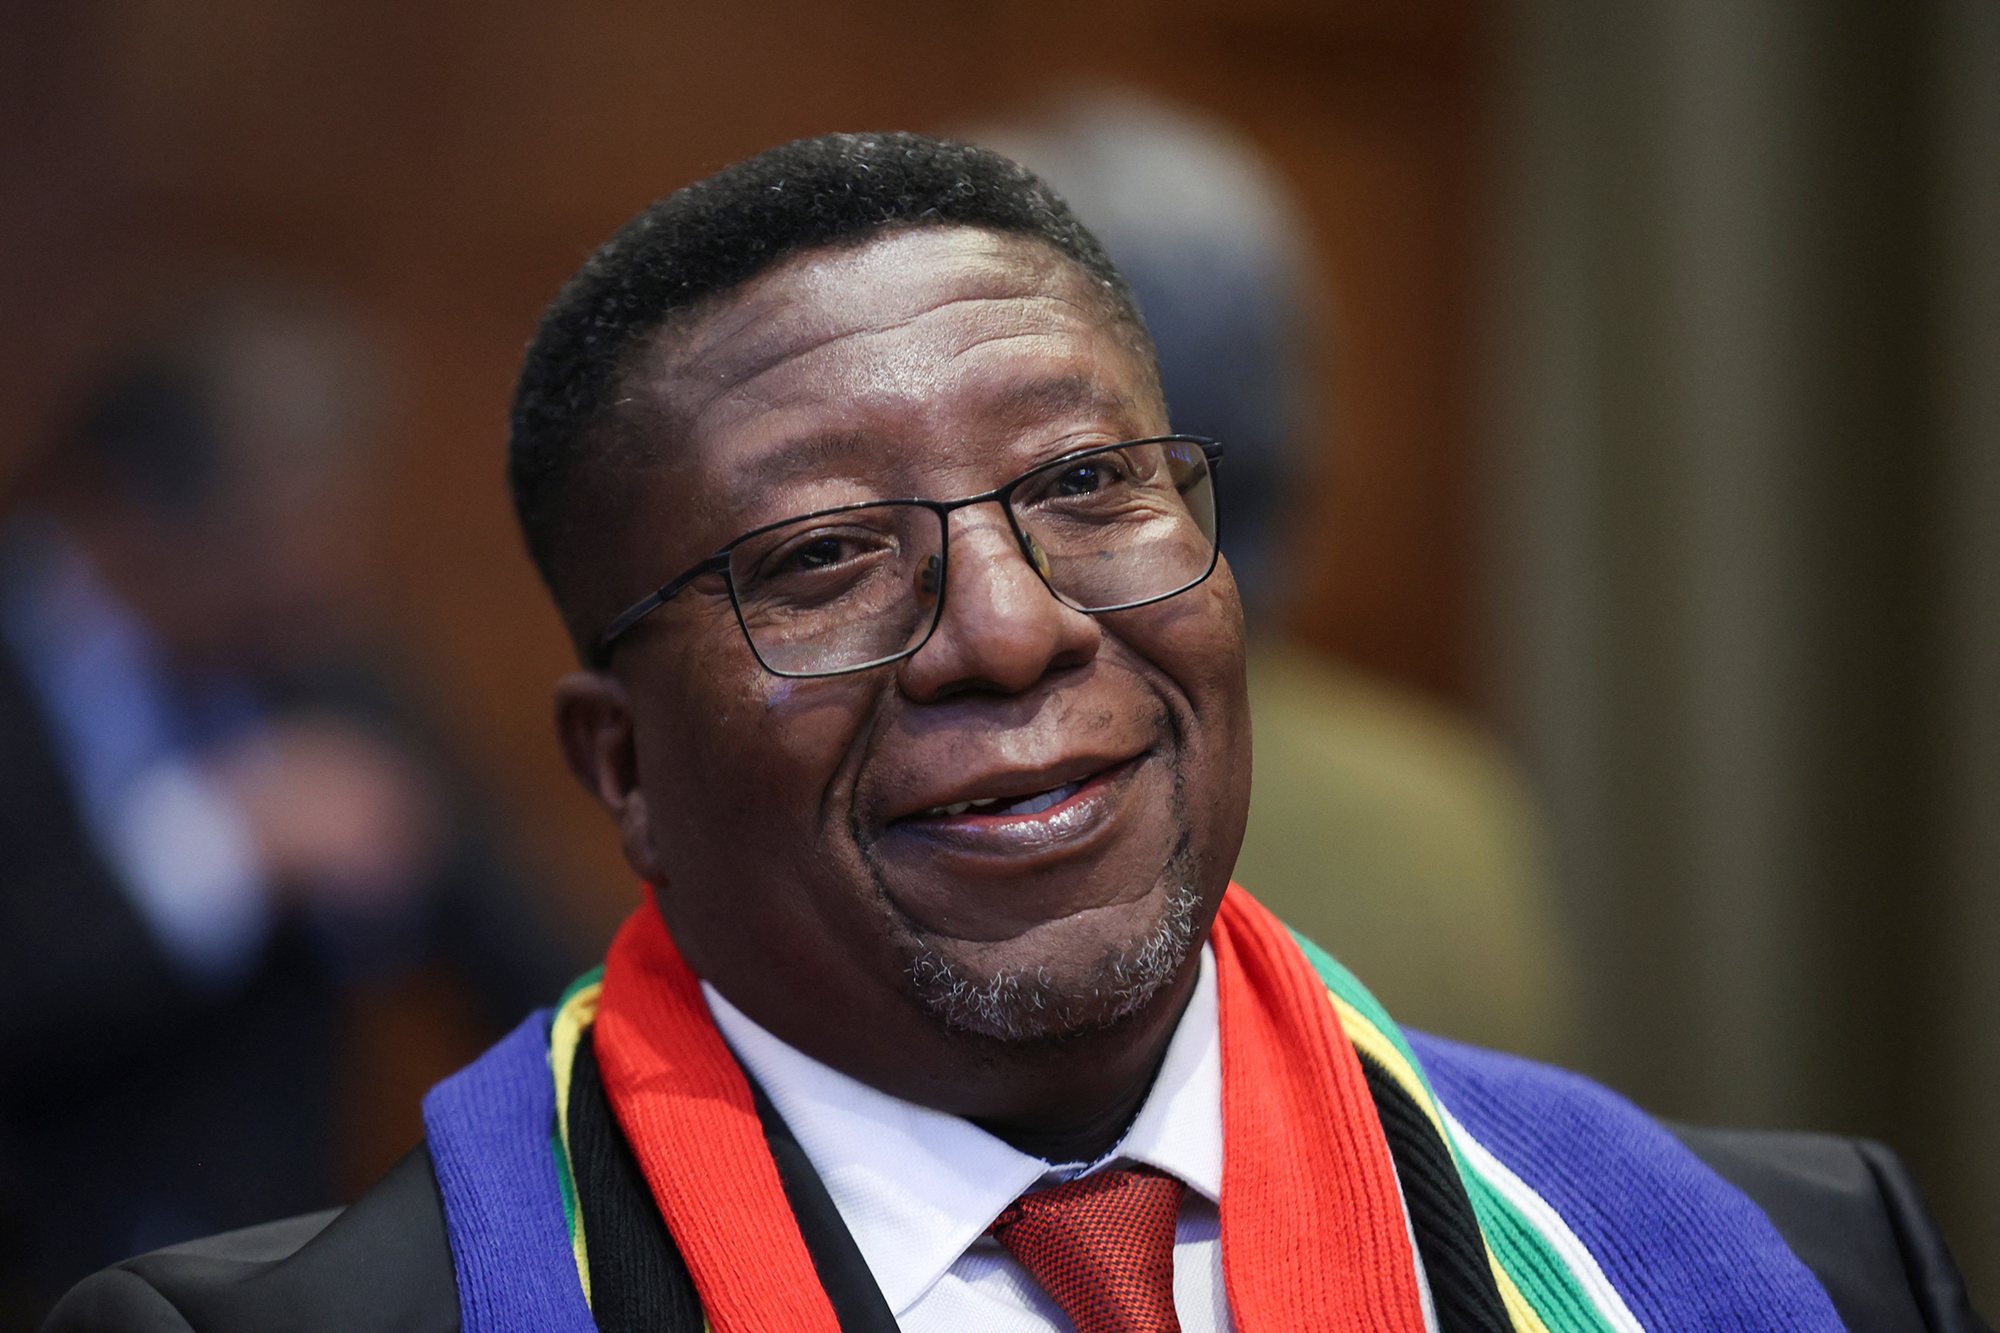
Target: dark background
x,y
1662,427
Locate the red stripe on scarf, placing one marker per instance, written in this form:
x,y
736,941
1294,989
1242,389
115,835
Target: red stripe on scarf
x,y
685,1107
1312,1224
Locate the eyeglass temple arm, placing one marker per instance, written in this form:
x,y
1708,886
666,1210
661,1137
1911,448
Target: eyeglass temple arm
x,y
600,652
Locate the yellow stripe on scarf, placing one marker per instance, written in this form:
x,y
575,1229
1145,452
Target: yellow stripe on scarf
x,y
577,1012
1370,1040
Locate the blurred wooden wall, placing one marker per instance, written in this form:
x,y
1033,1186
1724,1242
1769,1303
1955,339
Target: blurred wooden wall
x,y
447,164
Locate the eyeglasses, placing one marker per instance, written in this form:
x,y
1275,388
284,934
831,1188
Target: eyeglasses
x,y
860,585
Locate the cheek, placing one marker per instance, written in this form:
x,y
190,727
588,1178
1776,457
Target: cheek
x,y
1200,648
744,766
1198,642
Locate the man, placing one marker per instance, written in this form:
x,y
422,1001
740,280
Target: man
x,y
916,695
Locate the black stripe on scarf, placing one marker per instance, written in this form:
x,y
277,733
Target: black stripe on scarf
x,y
850,1284
638,1281
1448,1235
640,1284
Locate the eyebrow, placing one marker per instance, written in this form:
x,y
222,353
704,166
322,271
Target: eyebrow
x,y
799,458
1067,393
825,452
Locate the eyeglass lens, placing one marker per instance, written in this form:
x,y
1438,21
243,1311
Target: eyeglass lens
x,y
1106,530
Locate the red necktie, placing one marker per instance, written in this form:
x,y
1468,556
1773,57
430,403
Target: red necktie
x,y
1103,1247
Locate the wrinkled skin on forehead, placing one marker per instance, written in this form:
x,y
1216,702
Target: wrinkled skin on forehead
x,y
800,832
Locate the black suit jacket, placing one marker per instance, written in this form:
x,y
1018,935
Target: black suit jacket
x,y
1846,1207
134,1108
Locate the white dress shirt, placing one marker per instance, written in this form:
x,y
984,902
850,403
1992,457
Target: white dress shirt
x,y
918,1188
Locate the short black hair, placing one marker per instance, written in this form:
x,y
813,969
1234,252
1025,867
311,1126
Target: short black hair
x,y
713,236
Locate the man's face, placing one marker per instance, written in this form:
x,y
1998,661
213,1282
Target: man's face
x,y
795,830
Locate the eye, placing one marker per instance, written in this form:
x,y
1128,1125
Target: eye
x,y
1086,477
821,551
818,553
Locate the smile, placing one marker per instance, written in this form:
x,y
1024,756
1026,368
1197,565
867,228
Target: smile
x,y
996,805
1014,828
1014,852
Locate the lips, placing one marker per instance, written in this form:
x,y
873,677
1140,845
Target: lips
x,y
1010,823
1032,848
1010,793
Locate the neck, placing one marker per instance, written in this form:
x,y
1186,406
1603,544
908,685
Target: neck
x,y
1068,1099
1058,1141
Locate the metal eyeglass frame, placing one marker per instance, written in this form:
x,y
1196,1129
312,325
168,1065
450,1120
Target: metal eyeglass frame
x,y
719,562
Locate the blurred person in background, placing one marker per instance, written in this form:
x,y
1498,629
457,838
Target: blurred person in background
x,y
214,815
1383,825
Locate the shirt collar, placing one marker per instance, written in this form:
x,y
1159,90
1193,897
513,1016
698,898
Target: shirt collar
x,y
917,1186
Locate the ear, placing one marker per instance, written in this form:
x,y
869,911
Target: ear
x,y
595,726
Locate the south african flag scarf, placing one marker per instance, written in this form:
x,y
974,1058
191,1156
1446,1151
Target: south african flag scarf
x,y
1538,1202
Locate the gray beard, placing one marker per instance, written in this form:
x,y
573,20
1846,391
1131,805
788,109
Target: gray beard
x,y
1027,1004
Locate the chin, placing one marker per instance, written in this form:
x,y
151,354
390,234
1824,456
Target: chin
x,y
1058,999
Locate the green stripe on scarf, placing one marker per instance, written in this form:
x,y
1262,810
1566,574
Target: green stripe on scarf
x,y
572,1016
1529,1258
1540,1289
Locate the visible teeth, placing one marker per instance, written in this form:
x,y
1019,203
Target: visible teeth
x,y
960,807
1026,805
1034,805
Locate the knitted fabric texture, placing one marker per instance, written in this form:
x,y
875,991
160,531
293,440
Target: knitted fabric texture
x,y
639,1280
1554,1130
1102,1247
1588,1217
1313,1234
1454,1251
686,1108
489,1128
1633,1223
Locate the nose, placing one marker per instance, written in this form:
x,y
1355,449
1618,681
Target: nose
x,y
1002,630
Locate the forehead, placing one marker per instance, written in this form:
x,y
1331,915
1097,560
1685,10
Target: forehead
x,y
909,354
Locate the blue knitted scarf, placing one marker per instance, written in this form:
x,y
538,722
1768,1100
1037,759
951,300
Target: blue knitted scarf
x,y
1593,1218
